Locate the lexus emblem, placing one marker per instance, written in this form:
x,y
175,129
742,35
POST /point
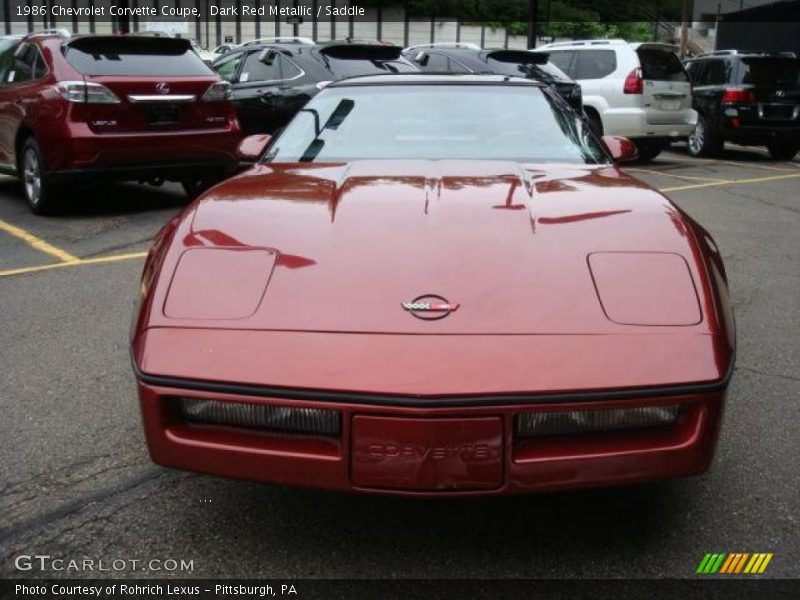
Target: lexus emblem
x,y
780,94
162,87
430,307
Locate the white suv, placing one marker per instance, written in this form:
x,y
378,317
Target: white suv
x,y
640,91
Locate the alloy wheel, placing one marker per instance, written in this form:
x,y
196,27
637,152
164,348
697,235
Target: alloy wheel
x,y
32,176
697,138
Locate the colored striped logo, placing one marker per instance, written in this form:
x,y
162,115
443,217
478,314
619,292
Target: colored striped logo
x,y
734,563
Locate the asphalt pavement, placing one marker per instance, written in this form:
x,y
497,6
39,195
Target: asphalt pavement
x,y
76,481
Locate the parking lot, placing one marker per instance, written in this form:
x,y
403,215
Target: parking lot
x,y
77,481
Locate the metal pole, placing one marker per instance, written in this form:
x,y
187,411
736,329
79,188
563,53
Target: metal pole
x,y
684,27
533,22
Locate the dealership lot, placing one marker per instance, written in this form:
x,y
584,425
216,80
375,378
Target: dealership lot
x,y
76,481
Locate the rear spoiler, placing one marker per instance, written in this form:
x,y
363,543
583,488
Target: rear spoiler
x,y
129,44
524,57
362,51
656,46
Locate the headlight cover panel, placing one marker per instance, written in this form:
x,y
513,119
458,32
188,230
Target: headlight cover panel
x,y
216,283
645,288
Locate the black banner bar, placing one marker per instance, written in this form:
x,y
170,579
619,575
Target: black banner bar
x,y
706,588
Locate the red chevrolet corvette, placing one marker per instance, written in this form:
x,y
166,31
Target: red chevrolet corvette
x,y
434,285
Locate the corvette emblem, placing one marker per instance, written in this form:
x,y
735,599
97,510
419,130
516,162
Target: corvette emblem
x,y
162,87
430,307
780,94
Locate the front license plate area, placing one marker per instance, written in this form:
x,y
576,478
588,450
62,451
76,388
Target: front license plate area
x,y
427,454
159,115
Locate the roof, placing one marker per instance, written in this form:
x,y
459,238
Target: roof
x,y
434,79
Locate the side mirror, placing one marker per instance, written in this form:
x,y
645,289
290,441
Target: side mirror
x,y
621,148
252,147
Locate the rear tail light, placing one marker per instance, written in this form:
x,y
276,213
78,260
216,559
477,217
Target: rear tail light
x,y
217,92
633,82
534,424
738,96
85,92
261,416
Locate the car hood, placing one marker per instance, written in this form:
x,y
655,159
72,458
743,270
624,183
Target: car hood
x,y
340,247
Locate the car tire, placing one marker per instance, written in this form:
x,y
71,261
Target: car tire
x,y
702,141
782,151
648,149
194,187
36,184
595,124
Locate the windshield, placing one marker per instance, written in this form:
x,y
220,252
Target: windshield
x,y
485,122
770,71
6,43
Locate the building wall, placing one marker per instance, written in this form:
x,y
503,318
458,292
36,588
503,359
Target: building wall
x,y
759,37
704,9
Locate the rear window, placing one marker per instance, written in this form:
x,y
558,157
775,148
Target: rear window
x,y
135,57
770,71
359,59
661,65
353,67
562,59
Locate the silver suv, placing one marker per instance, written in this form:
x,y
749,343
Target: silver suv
x,y
640,91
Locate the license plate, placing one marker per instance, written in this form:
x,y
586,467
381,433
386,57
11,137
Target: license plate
x,y
670,104
163,114
779,111
427,454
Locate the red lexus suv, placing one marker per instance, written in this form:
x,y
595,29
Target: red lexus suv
x,y
119,107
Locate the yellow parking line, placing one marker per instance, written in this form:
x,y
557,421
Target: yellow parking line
x,y
743,163
37,243
731,182
750,165
76,263
686,177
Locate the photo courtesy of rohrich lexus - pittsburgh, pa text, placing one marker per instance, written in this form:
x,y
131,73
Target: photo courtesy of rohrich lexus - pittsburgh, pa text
x,y
325,299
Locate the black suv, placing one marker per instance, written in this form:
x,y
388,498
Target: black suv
x,y
749,99
271,82
516,63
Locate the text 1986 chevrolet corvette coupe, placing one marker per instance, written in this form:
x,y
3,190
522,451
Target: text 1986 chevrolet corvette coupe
x,y
434,285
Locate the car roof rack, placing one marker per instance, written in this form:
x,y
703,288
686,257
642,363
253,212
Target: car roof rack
x,y
730,52
464,45
608,42
281,39
59,31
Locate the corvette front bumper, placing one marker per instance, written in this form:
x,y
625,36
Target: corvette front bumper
x,y
434,423
433,451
